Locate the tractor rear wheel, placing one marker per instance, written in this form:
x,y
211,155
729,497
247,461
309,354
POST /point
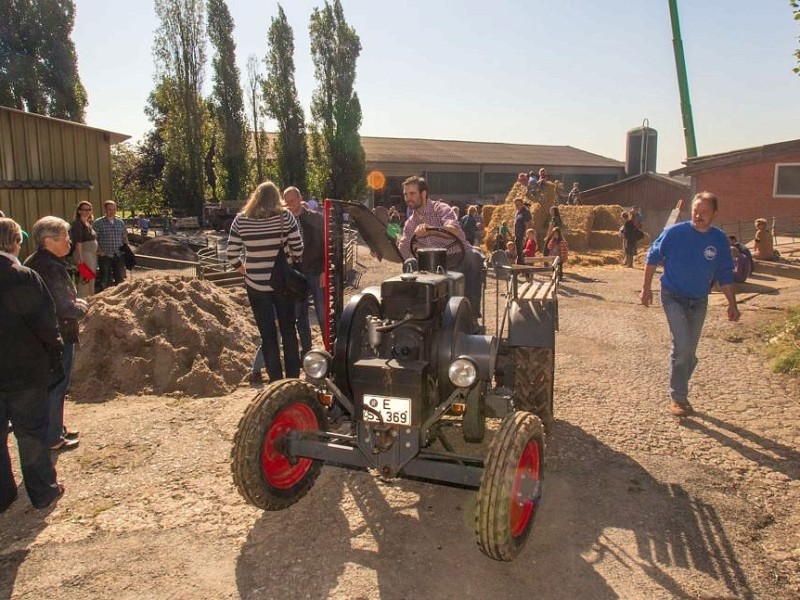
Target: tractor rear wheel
x,y
264,475
511,486
533,382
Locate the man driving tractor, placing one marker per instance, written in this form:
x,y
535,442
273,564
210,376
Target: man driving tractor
x,y
434,214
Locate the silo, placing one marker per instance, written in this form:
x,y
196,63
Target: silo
x,y
640,156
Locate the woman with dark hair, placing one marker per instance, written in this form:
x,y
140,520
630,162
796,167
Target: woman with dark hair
x,y
257,234
84,241
557,246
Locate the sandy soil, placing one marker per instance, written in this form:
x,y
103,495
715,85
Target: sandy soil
x,y
637,504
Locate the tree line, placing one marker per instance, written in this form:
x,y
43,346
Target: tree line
x,y
213,147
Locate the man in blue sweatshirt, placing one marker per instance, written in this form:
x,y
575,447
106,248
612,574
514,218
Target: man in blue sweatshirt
x,y
694,255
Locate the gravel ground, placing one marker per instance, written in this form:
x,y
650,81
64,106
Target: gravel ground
x,y
637,504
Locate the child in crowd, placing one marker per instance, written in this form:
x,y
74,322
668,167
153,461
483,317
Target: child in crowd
x,y
763,244
741,266
557,246
530,243
511,252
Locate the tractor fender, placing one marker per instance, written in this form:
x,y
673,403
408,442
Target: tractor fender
x,y
532,323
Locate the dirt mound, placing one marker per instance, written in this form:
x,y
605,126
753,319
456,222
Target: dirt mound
x,y
167,246
160,335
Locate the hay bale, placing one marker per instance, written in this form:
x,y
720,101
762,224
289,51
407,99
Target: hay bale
x,y
607,217
605,240
486,213
577,240
502,213
577,217
539,217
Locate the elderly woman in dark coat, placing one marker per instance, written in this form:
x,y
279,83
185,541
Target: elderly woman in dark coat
x,y
51,236
30,356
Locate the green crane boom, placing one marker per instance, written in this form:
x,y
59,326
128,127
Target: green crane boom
x,y
683,82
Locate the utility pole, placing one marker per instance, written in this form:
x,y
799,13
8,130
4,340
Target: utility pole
x,y
683,82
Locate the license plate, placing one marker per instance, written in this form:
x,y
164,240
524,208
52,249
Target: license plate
x,y
396,411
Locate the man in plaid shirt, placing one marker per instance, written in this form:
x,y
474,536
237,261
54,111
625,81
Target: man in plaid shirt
x,y
111,234
434,213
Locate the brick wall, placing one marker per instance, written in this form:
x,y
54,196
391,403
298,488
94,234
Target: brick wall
x,y
745,191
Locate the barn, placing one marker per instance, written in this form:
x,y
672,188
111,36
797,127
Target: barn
x,y
48,165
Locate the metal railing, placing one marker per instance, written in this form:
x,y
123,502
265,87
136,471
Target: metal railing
x,y
785,230
211,267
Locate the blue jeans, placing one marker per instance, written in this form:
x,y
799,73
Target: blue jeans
x,y
685,317
27,411
265,306
303,324
55,397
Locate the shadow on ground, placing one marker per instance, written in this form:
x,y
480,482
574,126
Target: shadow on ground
x,y
607,528
762,451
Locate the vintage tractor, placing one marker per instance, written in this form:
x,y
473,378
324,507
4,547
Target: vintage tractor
x,y
403,359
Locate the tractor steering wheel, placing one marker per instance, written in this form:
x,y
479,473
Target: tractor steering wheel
x,y
456,251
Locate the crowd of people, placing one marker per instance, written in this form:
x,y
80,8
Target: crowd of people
x,y
41,303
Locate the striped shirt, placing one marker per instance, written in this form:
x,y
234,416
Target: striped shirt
x,y
255,243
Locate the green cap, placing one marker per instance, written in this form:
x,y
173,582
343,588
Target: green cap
x,y
24,236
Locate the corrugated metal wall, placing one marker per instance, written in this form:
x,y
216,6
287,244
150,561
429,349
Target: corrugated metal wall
x,y
48,165
648,193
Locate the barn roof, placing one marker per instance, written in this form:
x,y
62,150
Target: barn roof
x,y
737,157
114,137
416,150
678,182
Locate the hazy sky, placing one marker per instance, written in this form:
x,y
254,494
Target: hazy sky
x,y
566,72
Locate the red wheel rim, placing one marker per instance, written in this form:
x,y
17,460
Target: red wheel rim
x,y
278,470
525,492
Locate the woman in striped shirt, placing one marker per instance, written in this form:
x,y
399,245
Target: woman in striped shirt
x,y
257,234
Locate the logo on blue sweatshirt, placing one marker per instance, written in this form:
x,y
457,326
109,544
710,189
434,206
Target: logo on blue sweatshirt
x,y
710,253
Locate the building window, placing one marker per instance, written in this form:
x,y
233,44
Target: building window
x,y
787,180
498,183
444,184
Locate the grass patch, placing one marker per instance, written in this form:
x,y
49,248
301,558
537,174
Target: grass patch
x,y
783,343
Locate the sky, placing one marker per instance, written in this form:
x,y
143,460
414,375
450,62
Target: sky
x,y
563,72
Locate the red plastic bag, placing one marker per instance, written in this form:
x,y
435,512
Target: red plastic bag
x,y
85,272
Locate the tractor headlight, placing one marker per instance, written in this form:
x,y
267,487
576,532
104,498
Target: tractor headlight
x,y
463,372
317,364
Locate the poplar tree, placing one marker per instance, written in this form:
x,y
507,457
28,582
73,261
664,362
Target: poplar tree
x,y
179,52
258,137
280,97
796,10
228,102
335,107
38,62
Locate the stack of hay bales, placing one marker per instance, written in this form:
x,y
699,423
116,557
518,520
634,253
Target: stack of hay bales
x,y
607,221
539,205
585,227
578,222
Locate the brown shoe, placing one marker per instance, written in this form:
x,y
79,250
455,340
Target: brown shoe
x,y
679,409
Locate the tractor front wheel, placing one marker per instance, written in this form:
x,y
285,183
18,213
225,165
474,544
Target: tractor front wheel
x,y
264,474
474,422
511,487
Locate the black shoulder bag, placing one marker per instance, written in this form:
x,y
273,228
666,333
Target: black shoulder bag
x,y
285,280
